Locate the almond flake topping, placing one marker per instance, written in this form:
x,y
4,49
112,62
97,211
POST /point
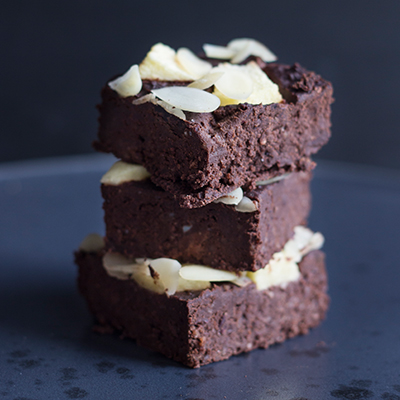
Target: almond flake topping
x,y
115,260
122,172
248,78
234,197
151,98
278,272
249,47
235,84
171,109
147,98
129,84
272,180
246,205
207,80
118,266
191,63
203,273
218,52
188,99
168,271
161,63
239,50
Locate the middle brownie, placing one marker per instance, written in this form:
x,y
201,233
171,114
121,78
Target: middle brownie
x,y
142,220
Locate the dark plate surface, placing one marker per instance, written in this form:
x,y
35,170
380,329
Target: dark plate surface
x,y
47,348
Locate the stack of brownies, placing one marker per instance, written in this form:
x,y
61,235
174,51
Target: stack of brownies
x,y
206,253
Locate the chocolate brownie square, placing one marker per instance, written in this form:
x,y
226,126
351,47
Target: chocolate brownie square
x,y
200,327
210,154
143,220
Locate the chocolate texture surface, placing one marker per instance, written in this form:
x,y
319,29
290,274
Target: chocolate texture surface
x,y
197,328
210,154
142,220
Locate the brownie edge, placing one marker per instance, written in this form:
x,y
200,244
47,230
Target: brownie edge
x,y
197,328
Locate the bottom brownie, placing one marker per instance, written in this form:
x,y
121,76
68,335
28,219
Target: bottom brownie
x,y
197,328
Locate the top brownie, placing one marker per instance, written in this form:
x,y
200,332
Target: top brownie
x,y
209,154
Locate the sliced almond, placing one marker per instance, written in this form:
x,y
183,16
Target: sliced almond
x,y
145,261
171,109
316,242
234,197
218,52
272,180
143,278
291,251
122,172
191,63
278,256
242,280
118,266
302,236
168,271
188,99
151,98
246,205
206,81
202,273
265,91
185,285
249,47
275,273
160,63
129,84
125,271
147,98
235,84
92,243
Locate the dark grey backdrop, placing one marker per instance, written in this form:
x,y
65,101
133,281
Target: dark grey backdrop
x,y
56,55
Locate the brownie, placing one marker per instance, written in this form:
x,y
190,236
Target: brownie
x,y
142,220
210,154
197,328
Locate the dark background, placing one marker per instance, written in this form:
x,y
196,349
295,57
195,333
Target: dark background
x,y
57,55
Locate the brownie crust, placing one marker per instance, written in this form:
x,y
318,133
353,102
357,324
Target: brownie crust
x,y
142,220
210,154
197,328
